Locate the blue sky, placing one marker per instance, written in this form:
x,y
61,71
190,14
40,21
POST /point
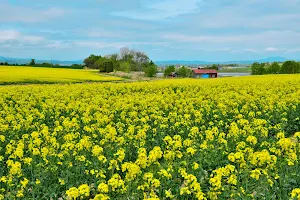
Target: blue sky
x,y
210,30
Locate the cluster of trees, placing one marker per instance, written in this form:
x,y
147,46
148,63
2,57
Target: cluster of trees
x,y
231,65
214,66
50,65
181,71
7,64
288,67
104,64
126,60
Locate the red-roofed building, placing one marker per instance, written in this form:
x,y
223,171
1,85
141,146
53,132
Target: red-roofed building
x,y
205,73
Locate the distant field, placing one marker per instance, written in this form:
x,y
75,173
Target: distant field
x,y
22,75
237,70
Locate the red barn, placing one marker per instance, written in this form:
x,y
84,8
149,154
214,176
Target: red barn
x,y
205,73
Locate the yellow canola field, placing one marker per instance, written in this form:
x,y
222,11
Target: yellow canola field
x,y
15,75
231,138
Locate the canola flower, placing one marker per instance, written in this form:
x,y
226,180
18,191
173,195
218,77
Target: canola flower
x,y
233,138
17,75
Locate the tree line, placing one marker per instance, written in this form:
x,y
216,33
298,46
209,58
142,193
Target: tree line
x,y
288,67
4,63
8,64
126,60
48,65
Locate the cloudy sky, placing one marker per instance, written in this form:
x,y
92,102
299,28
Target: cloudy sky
x,y
210,30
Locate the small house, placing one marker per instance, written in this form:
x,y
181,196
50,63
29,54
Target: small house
x,y
173,75
201,67
205,73
160,74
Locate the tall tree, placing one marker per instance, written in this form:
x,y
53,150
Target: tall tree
x,y
32,62
115,59
90,62
126,54
141,60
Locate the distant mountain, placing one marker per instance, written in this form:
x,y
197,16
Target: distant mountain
x,y
197,62
161,63
274,59
183,62
25,61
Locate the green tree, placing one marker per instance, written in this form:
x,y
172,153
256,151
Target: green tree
x,y
126,54
184,72
99,64
254,68
258,68
137,61
214,66
32,62
141,60
114,58
169,70
125,67
93,61
290,67
108,65
150,70
274,68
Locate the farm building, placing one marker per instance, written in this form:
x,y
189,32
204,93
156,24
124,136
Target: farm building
x,y
205,73
173,75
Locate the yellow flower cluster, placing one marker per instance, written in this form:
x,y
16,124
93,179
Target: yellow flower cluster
x,y
15,74
233,138
296,193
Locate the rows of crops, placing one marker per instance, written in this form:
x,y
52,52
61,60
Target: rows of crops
x,y
21,75
233,138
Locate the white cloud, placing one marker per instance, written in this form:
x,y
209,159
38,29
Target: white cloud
x,y
262,38
229,19
15,36
271,49
18,40
293,50
245,15
250,50
161,10
11,13
52,44
98,45
6,35
165,28
114,45
174,7
105,33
